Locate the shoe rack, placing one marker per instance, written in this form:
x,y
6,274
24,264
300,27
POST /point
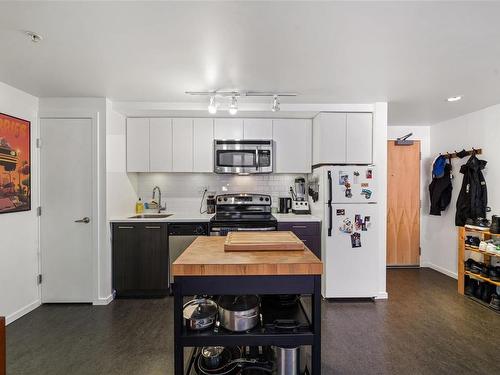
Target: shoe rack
x,y
463,248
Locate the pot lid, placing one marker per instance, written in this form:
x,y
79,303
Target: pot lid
x,y
239,303
211,351
199,309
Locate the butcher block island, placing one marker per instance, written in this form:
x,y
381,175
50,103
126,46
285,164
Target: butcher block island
x,y
272,284
206,256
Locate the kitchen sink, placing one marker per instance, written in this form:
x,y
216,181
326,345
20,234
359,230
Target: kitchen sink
x,y
150,216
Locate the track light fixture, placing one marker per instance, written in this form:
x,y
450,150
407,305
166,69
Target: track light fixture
x,y
234,94
276,104
212,106
233,107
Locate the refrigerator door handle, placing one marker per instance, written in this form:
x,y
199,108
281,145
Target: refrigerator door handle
x,y
330,214
330,188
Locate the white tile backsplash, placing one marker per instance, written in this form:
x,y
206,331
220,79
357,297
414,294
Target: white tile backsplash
x,y
184,190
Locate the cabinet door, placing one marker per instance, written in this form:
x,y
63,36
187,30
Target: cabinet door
x,y
257,129
160,145
182,130
359,138
153,263
137,145
329,138
228,128
292,146
125,258
203,145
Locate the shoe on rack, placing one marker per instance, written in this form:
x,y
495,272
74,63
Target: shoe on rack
x,y
478,292
495,224
468,264
476,267
485,271
491,248
477,224
488,290
494,274
495,301
472,241
483,245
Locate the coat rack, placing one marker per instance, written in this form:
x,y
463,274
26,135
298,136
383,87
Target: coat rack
x,y
474,151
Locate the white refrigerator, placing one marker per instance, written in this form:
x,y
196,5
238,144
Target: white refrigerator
x,y
347,205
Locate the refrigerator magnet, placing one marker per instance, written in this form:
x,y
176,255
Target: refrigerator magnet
x,y
356,177
364,184
340,212
367,193
346,226
357,222
343,178
369,174
356,240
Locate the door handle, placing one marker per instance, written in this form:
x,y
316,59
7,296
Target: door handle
x,y
85,220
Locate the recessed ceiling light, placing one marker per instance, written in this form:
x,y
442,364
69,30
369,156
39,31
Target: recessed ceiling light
x,y
34,37
454,98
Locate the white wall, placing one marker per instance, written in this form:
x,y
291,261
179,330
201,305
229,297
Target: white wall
x,y
64,107
479,129
19,291
121,186
423,134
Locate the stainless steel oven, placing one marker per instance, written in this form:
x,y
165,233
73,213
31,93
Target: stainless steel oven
x,y
243,156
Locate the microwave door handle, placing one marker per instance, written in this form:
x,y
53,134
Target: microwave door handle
x,y
257,166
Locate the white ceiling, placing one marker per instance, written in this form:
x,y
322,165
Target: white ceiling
x,y
413,55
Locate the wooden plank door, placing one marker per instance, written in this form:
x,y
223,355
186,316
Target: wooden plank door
x,y
403,204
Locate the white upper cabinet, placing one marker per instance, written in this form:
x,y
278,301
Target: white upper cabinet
x,y
160,143
329,138
359,138
342,138
228,128
257,129
182,134
203,145
292,145
137,145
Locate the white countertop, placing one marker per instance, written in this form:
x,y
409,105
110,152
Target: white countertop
x,y
295,218
175,217
189,216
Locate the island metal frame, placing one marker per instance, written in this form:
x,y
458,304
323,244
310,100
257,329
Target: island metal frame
x,y
240,285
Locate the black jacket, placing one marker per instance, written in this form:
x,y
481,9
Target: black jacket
x,y
440,191
473,197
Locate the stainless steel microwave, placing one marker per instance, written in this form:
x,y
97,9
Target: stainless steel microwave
x,y
243,156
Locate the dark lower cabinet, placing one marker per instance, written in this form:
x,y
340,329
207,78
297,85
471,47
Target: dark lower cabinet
x,y
308,231
140,259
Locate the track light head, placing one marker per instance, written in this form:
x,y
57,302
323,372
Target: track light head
x,y
212,105
276,104
233,107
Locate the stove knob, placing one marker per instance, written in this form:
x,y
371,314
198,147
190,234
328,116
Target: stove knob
x,y
261,199
225,199
220,199
267,199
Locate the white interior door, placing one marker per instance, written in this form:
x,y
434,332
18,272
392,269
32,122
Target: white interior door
x,y
66,199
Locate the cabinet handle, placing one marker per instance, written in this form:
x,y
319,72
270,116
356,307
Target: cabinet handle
x,y
123,227
155,227
299,226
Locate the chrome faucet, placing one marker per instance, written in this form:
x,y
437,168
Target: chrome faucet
x,y
160,208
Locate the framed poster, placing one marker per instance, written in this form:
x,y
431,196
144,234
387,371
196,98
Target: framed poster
x,y
15,164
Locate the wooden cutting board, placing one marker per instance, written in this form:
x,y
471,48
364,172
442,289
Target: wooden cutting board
x,y
262,241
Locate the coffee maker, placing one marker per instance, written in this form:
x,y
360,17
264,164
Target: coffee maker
x,y
300,205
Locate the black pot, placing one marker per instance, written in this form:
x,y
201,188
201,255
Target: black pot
x,y
495,224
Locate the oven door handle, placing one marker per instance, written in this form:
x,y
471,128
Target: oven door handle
x,y
266,229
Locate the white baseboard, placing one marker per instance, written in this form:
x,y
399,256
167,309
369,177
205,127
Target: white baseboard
x,y
382,295
440,269
22,311
103,301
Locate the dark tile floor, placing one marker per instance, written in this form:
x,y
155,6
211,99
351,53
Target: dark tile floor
x,y
424,328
